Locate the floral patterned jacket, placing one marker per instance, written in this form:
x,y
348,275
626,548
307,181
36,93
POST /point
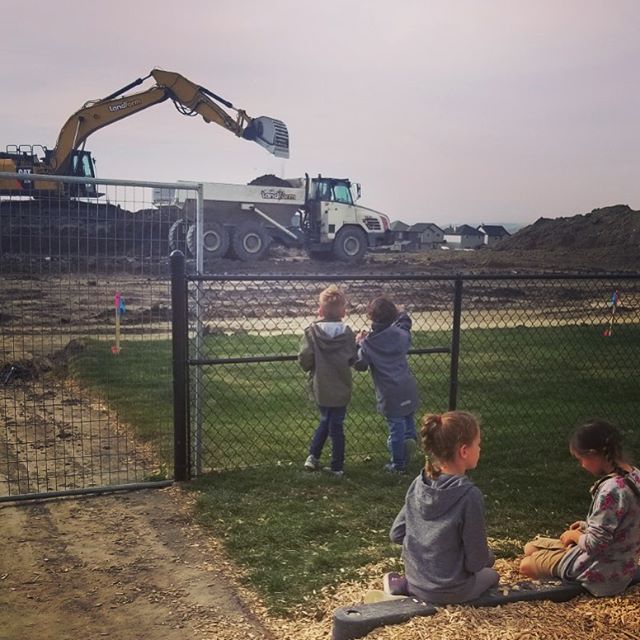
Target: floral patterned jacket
x,y
606,557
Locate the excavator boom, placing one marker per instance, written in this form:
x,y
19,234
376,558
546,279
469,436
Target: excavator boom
x,y
189,98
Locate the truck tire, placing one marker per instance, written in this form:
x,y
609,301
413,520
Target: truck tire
x,y
350,244
215,240
178,235
250,241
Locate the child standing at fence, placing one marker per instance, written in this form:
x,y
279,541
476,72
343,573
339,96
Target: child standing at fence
x,y
384,349
327,352
602,552
441,526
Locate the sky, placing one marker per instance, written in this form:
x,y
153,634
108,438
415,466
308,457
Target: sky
x,y
459,111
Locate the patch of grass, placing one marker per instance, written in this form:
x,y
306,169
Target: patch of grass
x,y
295,532
136,384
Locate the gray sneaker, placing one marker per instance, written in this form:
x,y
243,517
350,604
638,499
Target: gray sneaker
x,y
312,464
392,468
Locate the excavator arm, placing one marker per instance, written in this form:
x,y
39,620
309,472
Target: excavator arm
x,y
189,98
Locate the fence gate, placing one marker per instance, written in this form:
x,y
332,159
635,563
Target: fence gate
x,y
85,332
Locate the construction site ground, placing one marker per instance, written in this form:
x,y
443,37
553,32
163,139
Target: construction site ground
x,y
136,565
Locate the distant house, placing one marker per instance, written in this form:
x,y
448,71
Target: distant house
x,y
463,237
493,233
423,235
404,240
429,235
398,227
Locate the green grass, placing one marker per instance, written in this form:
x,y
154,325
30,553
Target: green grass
x,y
295,532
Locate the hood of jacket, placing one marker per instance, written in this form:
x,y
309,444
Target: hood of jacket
x,y
331,336
435,497
389,340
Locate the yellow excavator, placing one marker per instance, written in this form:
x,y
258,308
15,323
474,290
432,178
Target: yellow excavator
x,y
69,158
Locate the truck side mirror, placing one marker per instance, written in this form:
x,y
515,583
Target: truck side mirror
x,y
358,191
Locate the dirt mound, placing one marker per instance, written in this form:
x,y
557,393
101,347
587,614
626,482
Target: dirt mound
x,y
616,227
269,180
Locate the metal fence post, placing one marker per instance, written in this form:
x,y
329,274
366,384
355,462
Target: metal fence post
x,y
180,378
455,344
196,445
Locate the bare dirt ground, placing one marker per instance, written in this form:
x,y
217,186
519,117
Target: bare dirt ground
x,y
124,566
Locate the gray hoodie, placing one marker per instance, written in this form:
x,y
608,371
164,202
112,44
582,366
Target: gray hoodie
x,y
442,531
385,351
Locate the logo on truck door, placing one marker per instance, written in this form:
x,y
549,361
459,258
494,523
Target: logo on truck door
x,y
276,194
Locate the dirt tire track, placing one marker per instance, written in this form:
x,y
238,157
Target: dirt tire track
x,y
124,566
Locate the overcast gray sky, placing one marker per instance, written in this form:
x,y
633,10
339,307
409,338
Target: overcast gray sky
x,y
460,111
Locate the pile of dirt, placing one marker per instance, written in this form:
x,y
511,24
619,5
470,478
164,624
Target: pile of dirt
x,y
614,227
269,180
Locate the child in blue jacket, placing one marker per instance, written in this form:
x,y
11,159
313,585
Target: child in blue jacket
x,y
384,350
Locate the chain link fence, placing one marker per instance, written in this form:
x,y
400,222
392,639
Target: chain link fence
x,y
531,355
84,286
85,321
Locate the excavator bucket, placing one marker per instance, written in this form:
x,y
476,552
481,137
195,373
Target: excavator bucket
x,y
269,133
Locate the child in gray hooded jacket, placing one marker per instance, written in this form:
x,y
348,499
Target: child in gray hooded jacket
x,y
441,526
384,350
327,352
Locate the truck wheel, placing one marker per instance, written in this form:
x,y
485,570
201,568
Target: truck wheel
x,y
350,244
178,235
250,241
215,240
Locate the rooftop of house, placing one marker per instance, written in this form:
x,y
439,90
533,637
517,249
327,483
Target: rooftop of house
x,y
494,230
420,227
462,230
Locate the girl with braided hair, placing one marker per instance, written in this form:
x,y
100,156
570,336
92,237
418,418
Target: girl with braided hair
x,y
441,526
602,552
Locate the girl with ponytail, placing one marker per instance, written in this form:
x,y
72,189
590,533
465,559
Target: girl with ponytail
x,y
441,526
600,553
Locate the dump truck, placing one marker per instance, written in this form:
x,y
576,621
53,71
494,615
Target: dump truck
x,y
318,214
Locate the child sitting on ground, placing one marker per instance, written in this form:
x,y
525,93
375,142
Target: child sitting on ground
x,y
384,349
602,552
327,352
441,526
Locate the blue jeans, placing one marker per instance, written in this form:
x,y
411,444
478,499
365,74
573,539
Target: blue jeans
x,y
331,425
401,428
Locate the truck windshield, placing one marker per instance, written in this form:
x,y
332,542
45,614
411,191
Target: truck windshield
x,y
333,191
342,193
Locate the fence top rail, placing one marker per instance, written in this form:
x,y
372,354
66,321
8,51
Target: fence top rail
x,y
45,177
412,276
292,358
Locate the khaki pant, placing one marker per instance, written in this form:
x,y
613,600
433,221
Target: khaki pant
x,y
546,559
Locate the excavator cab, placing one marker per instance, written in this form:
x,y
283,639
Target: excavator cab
x,y
82,166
